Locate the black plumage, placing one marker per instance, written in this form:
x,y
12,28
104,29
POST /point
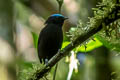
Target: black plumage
x,y
51,37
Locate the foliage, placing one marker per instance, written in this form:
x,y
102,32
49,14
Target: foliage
x,y
86,47
35,39
111,33
27,70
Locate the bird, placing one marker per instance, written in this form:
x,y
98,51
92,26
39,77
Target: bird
x,y
51,37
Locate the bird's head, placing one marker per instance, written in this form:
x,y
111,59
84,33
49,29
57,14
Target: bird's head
x,y
56,19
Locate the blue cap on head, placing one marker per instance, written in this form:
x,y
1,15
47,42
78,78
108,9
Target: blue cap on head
x,y
57,15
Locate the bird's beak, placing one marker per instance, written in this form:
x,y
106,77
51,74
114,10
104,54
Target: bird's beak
x,y
65,18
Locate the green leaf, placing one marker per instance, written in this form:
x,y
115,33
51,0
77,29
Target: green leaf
x,y
35,39
65,44
90,45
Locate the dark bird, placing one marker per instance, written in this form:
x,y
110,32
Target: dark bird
x,y
51,37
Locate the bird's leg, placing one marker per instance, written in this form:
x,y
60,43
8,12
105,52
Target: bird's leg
x,y
59,50
46,61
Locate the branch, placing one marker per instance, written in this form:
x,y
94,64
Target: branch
x,y
95,25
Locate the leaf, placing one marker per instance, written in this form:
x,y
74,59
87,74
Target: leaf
x,y
65,43
110,36
35,39
91,45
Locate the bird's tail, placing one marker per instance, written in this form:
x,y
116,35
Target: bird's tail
x,y
54,75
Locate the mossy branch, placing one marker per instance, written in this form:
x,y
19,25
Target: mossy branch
x,y
101,19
